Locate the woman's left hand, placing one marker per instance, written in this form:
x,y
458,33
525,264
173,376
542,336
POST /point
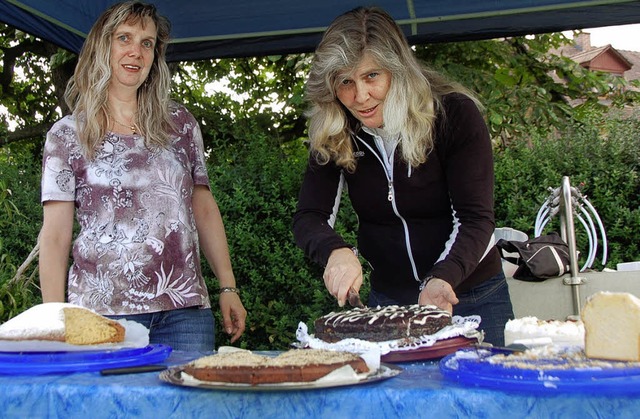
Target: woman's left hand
x,y
439,293
234,315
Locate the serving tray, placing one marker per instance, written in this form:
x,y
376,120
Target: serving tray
x,y
176,376
437,350
37,363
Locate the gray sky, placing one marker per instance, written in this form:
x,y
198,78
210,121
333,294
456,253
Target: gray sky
x,y
626,37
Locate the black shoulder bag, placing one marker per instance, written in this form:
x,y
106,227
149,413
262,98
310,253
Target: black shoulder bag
x,y
539,258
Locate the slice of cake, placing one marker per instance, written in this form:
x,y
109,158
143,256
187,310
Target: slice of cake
x,y
612,326
381,323
62,322
84,327
296,365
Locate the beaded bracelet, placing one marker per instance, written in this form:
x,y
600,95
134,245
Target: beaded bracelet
x,y
229,289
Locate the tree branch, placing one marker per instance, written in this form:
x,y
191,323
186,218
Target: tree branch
x,y
32,256
32,131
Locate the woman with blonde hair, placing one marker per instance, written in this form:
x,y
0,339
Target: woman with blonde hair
x,y
415,155
129,162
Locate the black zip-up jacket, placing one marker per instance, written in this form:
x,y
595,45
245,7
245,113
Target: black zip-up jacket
x,y
433,220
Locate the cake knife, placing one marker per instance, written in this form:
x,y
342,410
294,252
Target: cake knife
x,y
354,298
511,348
133,370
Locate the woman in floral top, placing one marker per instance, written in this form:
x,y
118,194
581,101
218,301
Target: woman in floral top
x,y
131,164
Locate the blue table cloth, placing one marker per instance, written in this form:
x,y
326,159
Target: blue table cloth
x,y
419,391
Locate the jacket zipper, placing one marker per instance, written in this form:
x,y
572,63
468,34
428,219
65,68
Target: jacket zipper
x,y
391,198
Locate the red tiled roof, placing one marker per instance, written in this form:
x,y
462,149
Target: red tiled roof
x,y
585,54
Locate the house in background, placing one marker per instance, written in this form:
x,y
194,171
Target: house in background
x,y
621,63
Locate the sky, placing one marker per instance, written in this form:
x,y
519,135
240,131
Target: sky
x,y
624,37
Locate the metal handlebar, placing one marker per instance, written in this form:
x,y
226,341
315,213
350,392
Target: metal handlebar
x,y
561,202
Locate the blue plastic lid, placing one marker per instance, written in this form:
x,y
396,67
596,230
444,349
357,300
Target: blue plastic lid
x,y
37,363
546,376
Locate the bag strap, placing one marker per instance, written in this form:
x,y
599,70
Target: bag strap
x,y
507,246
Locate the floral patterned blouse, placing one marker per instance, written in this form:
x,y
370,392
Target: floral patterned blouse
x,y
137,250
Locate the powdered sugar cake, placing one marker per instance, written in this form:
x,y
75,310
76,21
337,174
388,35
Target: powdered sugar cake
x,y
62,322
381,323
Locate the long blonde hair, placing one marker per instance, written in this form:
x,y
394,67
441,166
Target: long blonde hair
x,y
87,90
413,101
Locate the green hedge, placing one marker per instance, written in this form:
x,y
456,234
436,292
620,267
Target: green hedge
x,y
20,221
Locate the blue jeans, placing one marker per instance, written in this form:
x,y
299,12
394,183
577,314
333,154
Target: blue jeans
x,y
185,329
490,300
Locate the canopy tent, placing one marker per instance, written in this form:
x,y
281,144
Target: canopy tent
x,y
203,29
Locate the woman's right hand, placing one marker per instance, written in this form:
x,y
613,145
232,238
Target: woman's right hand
x,y
234,315
343,271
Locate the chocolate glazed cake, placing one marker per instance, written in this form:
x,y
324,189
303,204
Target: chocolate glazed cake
x,y
381,323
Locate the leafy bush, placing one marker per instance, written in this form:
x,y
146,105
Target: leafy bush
x,y
15,295
20,184
19,226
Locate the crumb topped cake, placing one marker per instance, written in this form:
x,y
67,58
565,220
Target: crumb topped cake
x,y
381,323
295,365
555,358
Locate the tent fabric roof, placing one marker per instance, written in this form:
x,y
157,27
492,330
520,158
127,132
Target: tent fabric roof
x,y
203,29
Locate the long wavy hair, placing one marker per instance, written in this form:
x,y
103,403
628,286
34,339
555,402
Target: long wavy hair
x,y
411,106
87,90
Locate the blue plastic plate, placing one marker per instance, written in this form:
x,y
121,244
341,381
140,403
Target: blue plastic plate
x,y
37,363
465,368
